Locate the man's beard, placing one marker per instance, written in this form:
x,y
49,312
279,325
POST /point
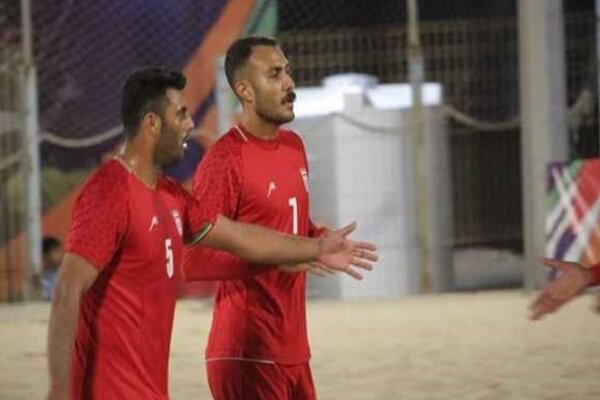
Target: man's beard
x,y
169,156
272,117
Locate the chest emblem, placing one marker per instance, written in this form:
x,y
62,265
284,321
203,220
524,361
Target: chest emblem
x,y
304,175
178,221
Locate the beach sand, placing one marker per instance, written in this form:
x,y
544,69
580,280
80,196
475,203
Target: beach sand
x,y
460,346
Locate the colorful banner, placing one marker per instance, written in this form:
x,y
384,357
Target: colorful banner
x,y
573,203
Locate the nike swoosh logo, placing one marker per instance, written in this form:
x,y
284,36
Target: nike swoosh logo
x,y
272,187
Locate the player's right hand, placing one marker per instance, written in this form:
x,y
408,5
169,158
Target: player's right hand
x,y
573,278
341,254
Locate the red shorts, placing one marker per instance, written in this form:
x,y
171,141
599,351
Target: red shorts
x,y
250,380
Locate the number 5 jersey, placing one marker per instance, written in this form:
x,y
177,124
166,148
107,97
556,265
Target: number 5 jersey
x,y
133,235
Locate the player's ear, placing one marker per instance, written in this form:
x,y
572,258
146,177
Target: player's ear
x,y
153,123
244,91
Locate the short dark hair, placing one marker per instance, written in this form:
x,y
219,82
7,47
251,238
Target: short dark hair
x,y
145,91
49,243
239,52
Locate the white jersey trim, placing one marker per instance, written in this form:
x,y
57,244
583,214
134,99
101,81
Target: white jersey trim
x,y
237,128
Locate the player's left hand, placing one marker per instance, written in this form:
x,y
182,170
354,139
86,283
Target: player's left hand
x,y
341,254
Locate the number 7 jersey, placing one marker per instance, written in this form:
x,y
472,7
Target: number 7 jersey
x,y
261,316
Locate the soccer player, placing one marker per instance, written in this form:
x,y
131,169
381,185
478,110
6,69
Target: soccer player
x,y
258,173
572,279
112,309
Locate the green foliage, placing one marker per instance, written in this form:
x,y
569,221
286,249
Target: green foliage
x,y
55,185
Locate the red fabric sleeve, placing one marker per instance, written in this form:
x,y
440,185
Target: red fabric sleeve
x,y
204,264
218,179
217,188
199,220
100,216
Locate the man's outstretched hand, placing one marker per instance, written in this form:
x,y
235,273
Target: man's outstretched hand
x,y
340,254
570,282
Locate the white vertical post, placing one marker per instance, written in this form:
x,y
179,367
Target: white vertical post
x,y
32,153
417,76
223,97
544,134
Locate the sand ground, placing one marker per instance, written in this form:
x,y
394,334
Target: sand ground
x,y
457,346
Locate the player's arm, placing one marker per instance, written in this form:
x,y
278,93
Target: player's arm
x,y
217,190
222,265
75,277
260,245
206,264
573,278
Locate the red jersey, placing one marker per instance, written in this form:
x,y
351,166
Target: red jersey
x,y
261,315
133,235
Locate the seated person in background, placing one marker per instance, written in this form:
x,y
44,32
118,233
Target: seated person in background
x,y
51,258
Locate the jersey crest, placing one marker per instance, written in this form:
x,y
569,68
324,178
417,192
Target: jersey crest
x,y
304,175
178,222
